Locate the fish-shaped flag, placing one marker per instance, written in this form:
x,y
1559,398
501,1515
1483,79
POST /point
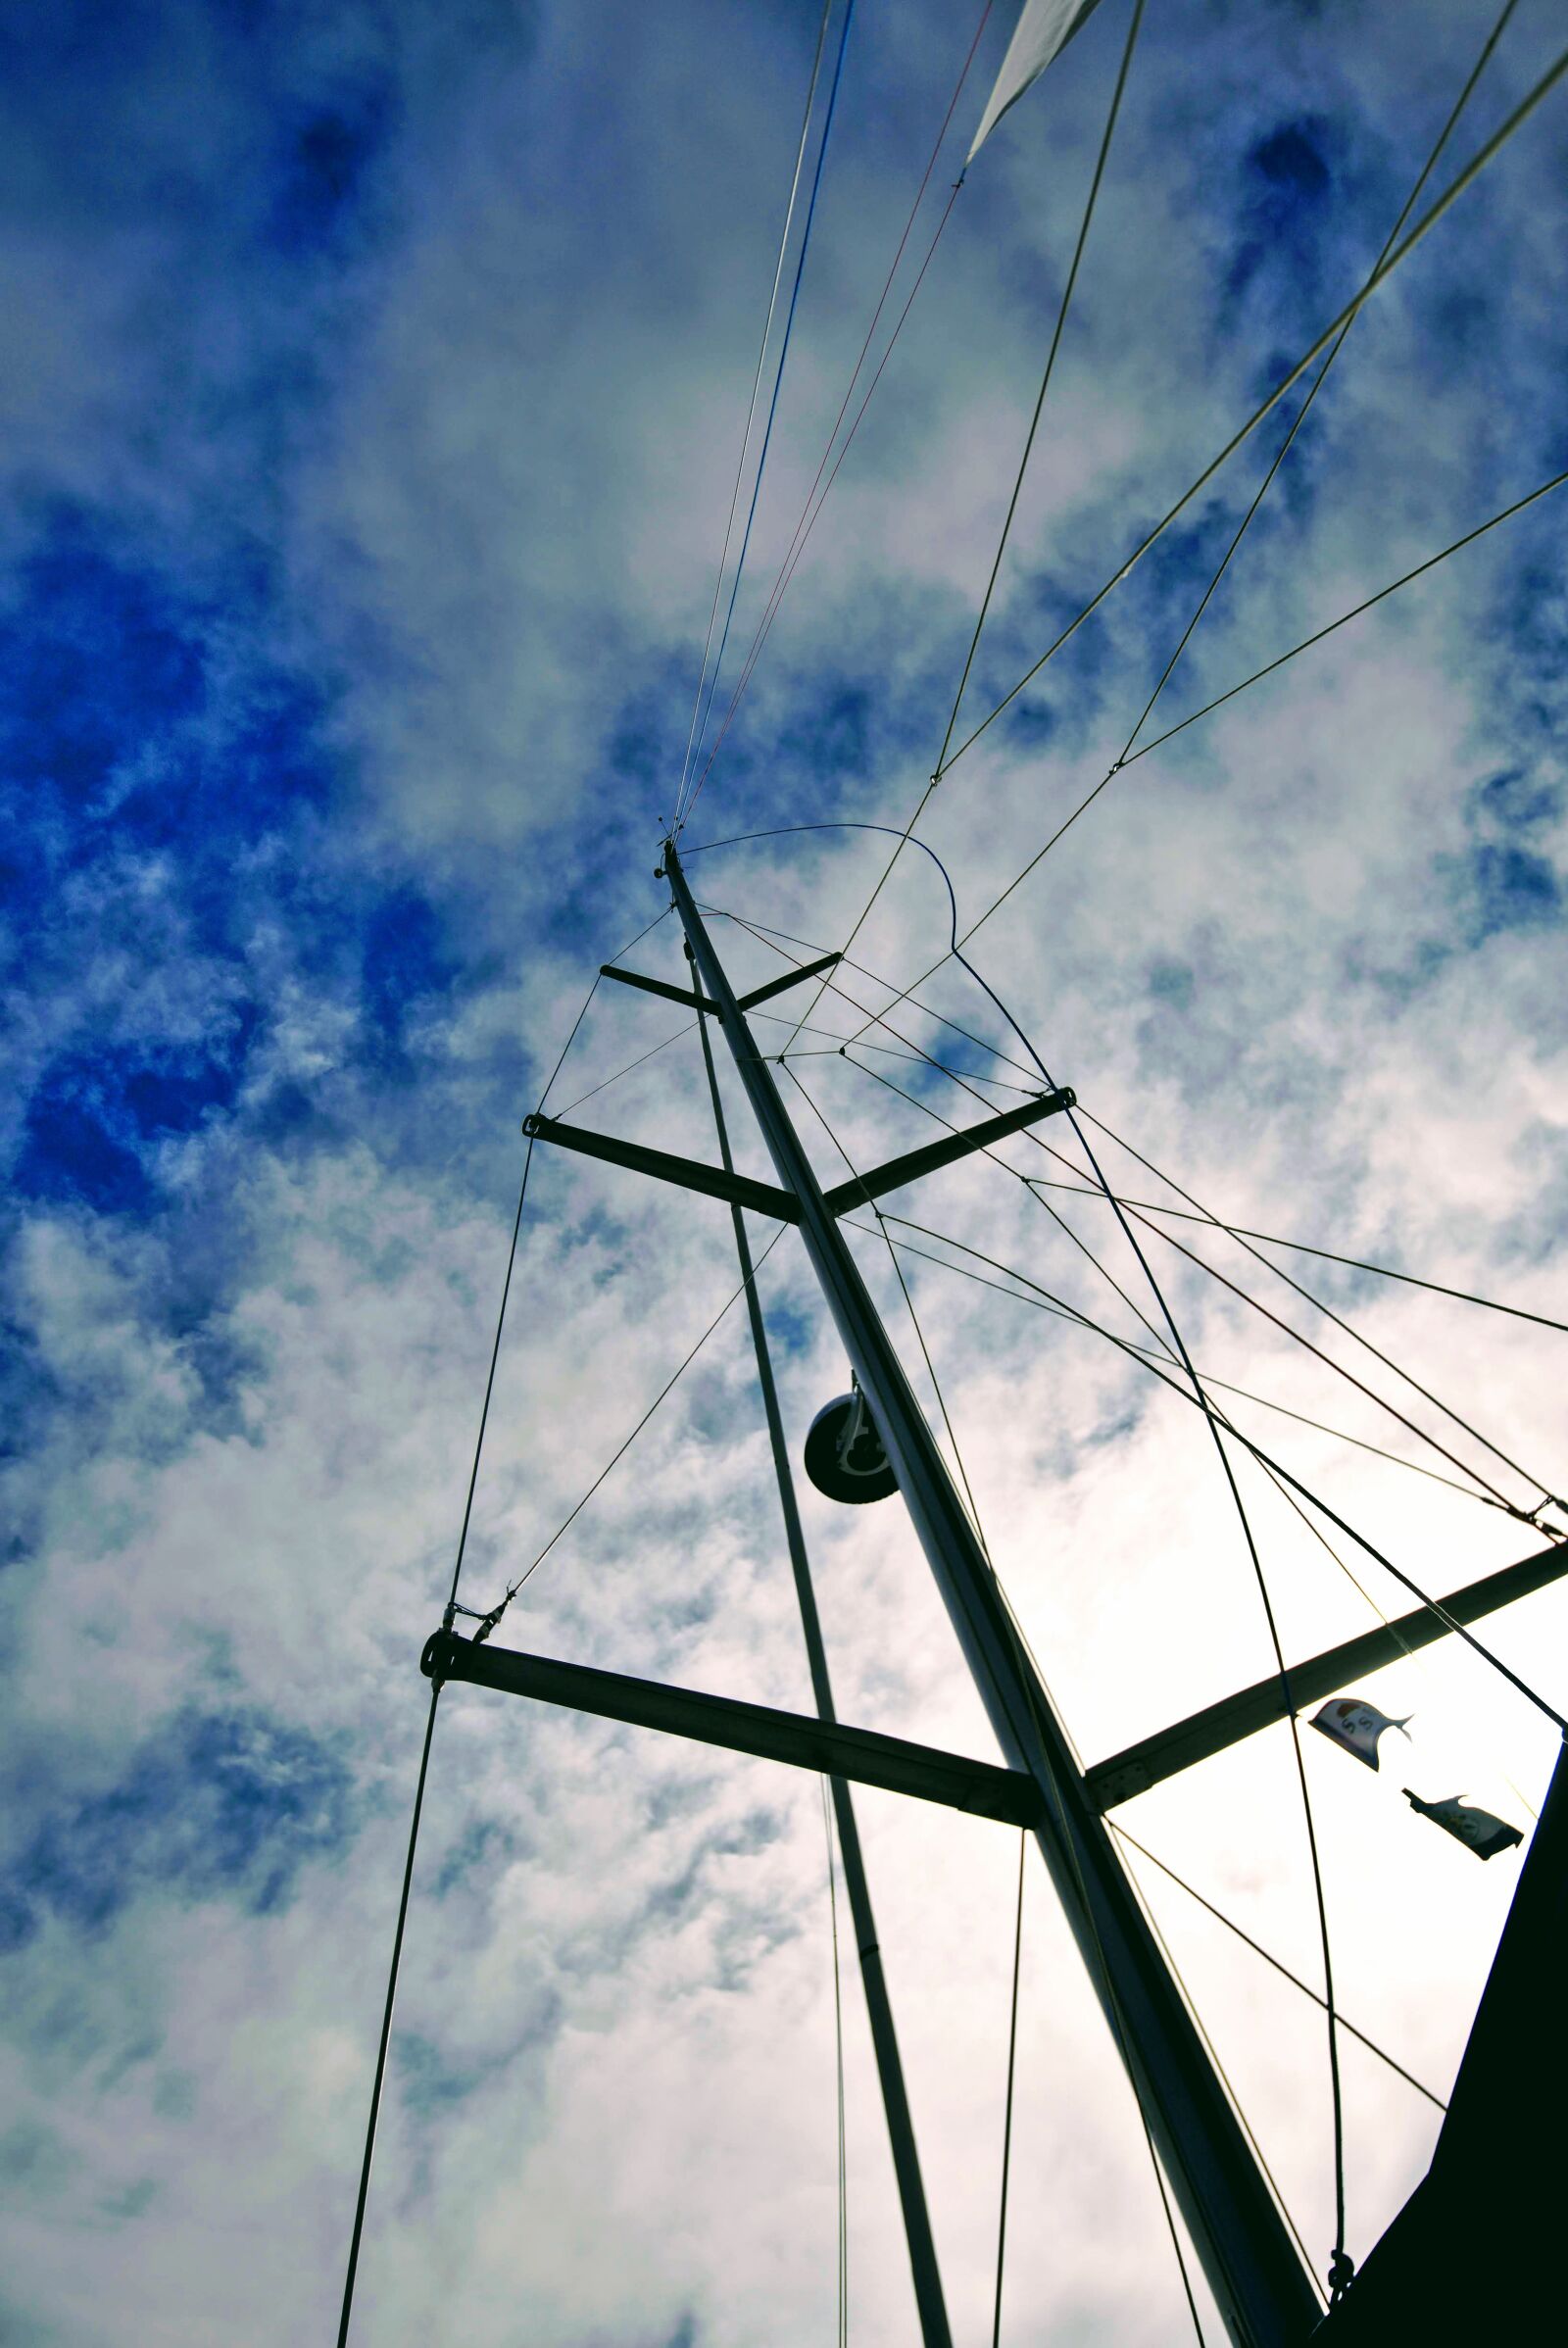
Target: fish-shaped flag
x,y
1484,1834
1356,1725
1043,29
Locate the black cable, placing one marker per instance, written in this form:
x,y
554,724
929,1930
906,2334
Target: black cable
x,y
373,2120
766,935
811,511
1139,1355
1114,2009
1257,677
1006,2125
1318,634
1485,1499
1062,1223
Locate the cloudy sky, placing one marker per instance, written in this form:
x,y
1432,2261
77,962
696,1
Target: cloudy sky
x,y
376,380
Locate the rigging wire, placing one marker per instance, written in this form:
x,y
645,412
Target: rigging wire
x,y
838,2044
1044,380
1340,2265
1113,2008
1487,1498
378,2081
1379,276
808,513
1103,1195
1281,1274
767,937
1006,2125
1320,379
1131,756
1051,360
488,1622
1044,1302
1497,1498
357,2233
1260,1950
1354,1263
1139,1353
784,348
1390,260
756,383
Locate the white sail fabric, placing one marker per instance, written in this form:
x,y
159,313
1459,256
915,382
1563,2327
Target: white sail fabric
x,y
1475,1828
1356,1725
1045,29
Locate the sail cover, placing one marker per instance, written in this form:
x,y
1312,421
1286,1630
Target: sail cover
x,y
1045,29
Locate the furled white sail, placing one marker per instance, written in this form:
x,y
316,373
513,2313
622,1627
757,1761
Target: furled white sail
x,y
1045,27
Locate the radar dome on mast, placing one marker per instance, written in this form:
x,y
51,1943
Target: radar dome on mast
x,y
844,1454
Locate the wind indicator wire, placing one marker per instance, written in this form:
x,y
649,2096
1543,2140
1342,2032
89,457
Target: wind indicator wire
x,y
784,349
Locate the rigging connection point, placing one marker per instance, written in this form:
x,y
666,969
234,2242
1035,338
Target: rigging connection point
x,y
844,1454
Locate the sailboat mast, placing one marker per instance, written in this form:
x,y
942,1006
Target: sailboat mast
x,y
935,2331
1264,2292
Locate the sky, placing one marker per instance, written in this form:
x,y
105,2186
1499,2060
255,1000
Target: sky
x,y
376,378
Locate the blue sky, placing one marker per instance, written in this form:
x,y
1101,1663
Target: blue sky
x,y
378,374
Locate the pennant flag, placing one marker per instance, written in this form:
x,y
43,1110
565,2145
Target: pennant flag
x,y
1045,29
1484,1834
1356,1725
